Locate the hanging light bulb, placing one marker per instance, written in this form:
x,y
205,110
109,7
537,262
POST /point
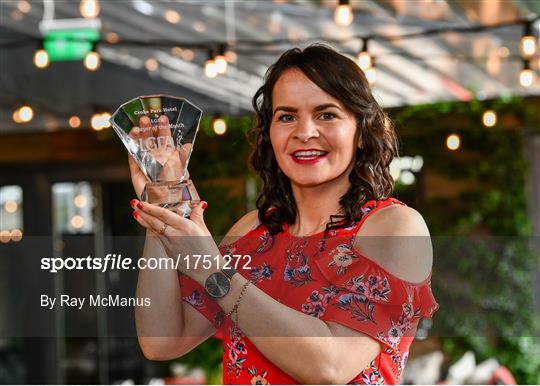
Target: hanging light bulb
x,y
453,142
364,58
220,60
489,118
95,122
526,76
41,58
343,14
528,42
371,73
26,114
92,61
219,125
89,8
74,122
16,118
210,69
100,121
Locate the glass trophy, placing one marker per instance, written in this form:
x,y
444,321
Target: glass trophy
x,y
162,151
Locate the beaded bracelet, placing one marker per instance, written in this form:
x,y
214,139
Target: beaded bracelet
x,y
234,310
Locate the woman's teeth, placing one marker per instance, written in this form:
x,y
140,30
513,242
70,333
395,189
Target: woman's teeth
x,y
309,154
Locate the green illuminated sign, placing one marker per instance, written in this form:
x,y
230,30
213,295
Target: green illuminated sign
x,y
69,44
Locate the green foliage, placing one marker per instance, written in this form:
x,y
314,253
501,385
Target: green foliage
x,y
483,283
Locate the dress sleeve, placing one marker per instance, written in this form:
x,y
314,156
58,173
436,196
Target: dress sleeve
x,y
194,294
365,297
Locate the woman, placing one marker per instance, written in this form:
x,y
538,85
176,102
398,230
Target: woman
x,y
322,301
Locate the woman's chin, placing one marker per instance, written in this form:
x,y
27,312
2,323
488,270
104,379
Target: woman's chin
x,y
309,181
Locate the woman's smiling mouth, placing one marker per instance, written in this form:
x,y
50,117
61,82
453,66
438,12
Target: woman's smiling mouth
x,y
308,156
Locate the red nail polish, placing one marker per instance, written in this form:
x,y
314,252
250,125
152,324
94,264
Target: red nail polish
x,y
204,205
133,202
135,214
139,205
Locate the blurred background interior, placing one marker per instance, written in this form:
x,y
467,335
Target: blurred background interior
x,y
458,77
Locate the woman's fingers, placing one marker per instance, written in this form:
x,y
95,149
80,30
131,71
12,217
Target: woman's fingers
x,y
141,220
164,215
197,214
160,227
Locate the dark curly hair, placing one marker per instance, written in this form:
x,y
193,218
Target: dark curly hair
x,y
370,178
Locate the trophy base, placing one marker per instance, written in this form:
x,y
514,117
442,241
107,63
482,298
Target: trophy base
x,y
179,197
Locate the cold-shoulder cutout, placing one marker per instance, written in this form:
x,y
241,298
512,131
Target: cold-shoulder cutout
x,y
397,239
242,227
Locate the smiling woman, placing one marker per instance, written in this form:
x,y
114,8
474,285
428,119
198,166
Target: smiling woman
x,y
321,95
323,301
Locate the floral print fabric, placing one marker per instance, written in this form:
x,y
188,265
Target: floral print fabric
x,y
328,279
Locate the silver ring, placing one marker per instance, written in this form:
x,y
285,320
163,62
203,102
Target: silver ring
x,y
162,230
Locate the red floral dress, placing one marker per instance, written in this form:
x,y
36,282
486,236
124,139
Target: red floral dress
x,y
327,279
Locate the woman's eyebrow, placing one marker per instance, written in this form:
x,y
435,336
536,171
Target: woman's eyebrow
x,y
288,109
327,105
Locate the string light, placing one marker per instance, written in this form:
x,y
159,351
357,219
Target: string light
x,y
343,14
371,74
24,6
210,69
364,58
100,121
77,221
151,64
112,37
188,55
92,61
528,42
526,75
5,236
26,114
16,117
89,8
489,118
231,56
10,206
80,201
41,58
172,16
453,142
220,60
74,122
16,235
219,125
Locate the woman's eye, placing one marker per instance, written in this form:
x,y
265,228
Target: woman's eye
x,y
285,118
328,116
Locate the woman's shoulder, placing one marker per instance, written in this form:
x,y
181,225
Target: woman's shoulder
x,y
242,227
391,217
397,238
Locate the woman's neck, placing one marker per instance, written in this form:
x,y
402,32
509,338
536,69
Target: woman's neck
x,y
315,205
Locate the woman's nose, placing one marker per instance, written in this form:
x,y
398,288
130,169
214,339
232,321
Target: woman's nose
x,y
306,129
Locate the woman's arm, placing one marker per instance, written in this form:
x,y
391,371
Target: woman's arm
x,y
311,350
166,329
308,349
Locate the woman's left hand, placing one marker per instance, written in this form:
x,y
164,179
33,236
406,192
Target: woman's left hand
x,y
182,238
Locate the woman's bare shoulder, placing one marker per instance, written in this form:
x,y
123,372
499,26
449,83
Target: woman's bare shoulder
x,y
397,238
246,223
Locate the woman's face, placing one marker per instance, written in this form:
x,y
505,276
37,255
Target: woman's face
x,y
313,136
